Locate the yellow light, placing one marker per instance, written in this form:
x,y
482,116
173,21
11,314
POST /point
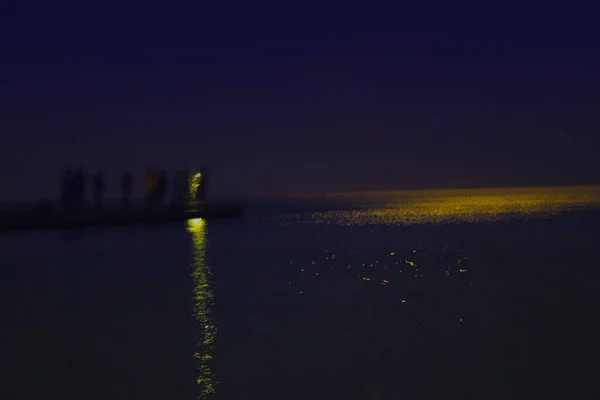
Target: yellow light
x,y
194,184
196,224
203,307
453,205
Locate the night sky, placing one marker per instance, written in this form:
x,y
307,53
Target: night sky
x,y
280,104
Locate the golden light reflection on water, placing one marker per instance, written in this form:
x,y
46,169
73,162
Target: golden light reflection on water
x,y
203,298
467,205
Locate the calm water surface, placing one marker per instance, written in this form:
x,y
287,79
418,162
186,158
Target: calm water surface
x,y
430,294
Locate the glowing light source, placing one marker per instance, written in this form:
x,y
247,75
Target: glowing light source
x,y
196,224
194,184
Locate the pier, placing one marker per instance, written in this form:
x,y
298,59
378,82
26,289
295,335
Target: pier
x,y
50,216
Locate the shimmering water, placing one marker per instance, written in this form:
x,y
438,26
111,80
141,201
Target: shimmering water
x,y
430,294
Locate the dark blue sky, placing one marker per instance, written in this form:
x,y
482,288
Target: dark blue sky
x,y
299,104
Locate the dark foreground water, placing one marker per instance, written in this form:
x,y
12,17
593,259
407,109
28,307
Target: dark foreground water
x,y
467,295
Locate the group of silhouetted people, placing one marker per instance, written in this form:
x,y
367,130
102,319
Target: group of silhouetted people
x,y
185,187
74,186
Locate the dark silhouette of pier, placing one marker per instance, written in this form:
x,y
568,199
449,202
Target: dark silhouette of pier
x,y
52,216
73,210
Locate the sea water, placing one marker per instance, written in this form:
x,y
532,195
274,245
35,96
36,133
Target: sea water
x,y
387,295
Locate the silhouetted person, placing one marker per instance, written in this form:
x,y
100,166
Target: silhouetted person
x,y
126,188
79,187
150,180
176,197
180,187
66,188
161,187
185,183
99,188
